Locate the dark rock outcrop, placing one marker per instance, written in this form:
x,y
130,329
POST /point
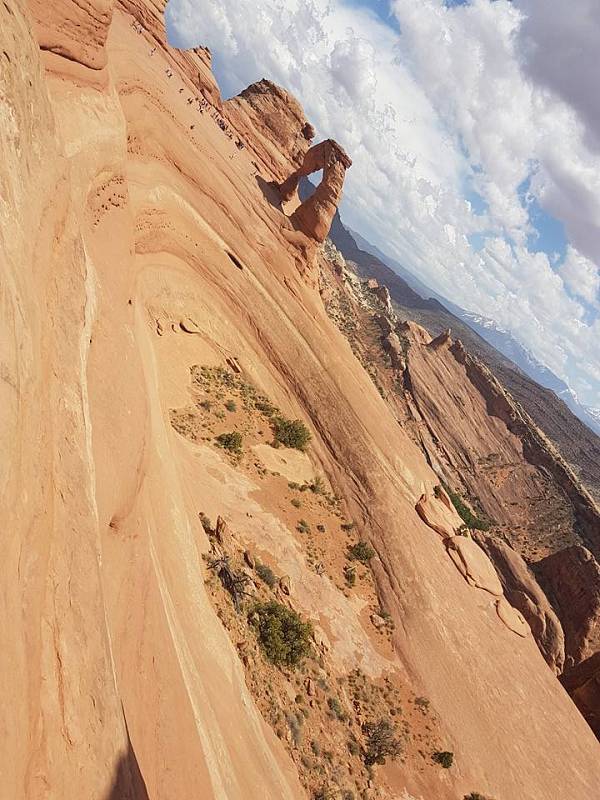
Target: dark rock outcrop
x,y
583,684
571,579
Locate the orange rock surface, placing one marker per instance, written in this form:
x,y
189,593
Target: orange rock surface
x,y
135,244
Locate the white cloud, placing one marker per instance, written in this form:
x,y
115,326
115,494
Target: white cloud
x,y
581,277
443,106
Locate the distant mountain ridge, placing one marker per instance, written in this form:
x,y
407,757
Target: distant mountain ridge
x,y
494,334
574,429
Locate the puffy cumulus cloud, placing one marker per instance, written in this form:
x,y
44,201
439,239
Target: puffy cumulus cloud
x,y
581,277
454,100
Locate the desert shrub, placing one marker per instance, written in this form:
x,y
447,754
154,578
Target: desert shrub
x,y
264,406
295,502
230,405
303,526
230,441
205,404
464,512
361,551
353,747
282,633
381,742
347,526
444,758
336,709
291,432
324,793
321,528
266,574
315,747
318,485
295,725
293,485
349,575
475,796
206,524
422,703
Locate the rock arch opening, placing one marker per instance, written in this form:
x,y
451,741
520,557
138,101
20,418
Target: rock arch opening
x,y
314,216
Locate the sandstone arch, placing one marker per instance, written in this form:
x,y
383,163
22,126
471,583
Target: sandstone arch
x,y
314,216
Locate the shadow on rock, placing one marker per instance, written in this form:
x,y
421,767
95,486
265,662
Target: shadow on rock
x,y
128,782
270,192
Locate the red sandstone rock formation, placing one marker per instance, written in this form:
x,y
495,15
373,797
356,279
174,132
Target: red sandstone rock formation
x,y
127,210
582,682
313,217
571,579
524,593
272,123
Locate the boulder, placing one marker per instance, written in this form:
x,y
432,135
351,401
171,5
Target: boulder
x,y
441,340
524,593
223,534
512,617
473,563
393,347
308,131
383,295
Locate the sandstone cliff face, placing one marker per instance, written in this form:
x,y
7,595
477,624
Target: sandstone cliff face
x,y
136,245
273,124
571,578
524,593
479,441
76,31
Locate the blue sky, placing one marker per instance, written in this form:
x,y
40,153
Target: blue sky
x,y
476,162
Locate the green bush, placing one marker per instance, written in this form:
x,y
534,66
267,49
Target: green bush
x,y
230,405
444,758
361,551
464,512
230,441
381,742
282,633
266,574
291,433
